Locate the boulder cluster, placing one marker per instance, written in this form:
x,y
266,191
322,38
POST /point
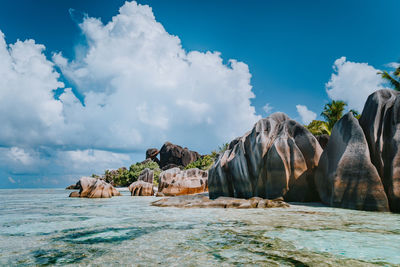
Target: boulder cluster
x,y
176,182
357,167
94,188
144,185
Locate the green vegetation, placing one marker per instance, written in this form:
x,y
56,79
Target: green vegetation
x,y
332,112
124,177
394,80
203,163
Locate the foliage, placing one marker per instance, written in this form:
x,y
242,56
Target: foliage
x,y
223,148
124,177
394,80
332,112
203,163
356,114
317,127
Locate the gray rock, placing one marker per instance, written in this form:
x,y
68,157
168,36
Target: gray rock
x,y
94,188
380,121
174,154
277,158
345,176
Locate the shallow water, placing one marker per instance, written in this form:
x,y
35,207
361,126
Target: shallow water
x,y
45,227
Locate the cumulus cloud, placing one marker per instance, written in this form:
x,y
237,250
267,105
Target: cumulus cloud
x,y
306,115
268,108
140,88
353,82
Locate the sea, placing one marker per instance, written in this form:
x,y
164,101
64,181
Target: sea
x,y
46,227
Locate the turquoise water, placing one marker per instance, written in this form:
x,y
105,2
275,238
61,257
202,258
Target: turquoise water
x,y
45,227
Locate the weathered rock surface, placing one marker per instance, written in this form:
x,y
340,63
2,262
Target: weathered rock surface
x,y
203,201
380,121
323,140
94,188
141,188
174,154
152,153
345,176
175,182
277,158
144,185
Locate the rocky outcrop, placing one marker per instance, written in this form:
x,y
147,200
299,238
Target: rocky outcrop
x,y
175,182
152,153
94,188
73,187
277,158
203,201
323,140
174,154
380,121
346,177
144,185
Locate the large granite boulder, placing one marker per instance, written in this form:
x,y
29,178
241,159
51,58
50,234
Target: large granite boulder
x,y
380,121
175,182
277,158
144,185
94,188
174,154
345,176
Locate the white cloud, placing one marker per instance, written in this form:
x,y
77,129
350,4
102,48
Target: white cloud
x,y
393,65
353,82
140,89
306,115
268,108
11,180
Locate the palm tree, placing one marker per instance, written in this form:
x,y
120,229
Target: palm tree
x,y
393,80
333,112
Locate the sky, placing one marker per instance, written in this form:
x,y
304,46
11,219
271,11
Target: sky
x,y
90,85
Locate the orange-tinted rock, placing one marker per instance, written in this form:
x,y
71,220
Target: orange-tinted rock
x,y
95,188
141,188
345,176
175,182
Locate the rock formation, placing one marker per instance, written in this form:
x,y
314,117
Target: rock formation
x,y
203,201
380,121
174,154
323,140
152,153
277,158
175,182
94,188
144,185
345,176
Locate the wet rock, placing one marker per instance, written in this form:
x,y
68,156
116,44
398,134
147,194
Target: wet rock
x,y
345,176
174,154
203,201
175,182
94,188
277,158
380,121
323,140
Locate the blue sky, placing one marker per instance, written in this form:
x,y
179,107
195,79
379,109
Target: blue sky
x,y
290,48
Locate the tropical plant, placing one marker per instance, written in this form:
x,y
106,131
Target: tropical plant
x,y
394,80
203,163
317,127
332,112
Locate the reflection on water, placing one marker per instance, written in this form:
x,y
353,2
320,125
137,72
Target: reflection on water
x,y
45,227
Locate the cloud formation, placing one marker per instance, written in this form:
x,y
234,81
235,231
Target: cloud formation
x,y
140,88
268,108
353,82
306,115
